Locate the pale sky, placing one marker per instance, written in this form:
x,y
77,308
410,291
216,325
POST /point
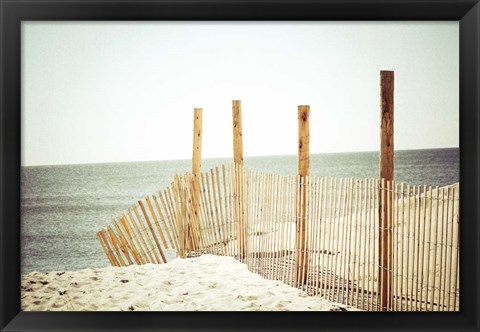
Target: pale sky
x,y
96,92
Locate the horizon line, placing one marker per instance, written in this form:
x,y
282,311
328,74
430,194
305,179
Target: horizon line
x,y
231,157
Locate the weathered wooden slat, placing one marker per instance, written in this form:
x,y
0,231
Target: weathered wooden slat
x,y
169,216
132,238
435,243
146,234
117,246
141,235
155,220
106,249
162,218
127,240
126,248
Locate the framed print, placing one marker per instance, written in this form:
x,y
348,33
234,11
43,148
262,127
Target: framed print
x,y
239,165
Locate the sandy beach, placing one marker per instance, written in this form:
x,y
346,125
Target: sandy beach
x,y
205,283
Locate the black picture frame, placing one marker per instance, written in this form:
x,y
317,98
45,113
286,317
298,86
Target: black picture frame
x,y
13,12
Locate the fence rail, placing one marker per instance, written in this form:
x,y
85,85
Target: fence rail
x,y
254,217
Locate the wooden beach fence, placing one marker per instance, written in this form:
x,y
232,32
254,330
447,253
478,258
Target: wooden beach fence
x,y
342,234
370,243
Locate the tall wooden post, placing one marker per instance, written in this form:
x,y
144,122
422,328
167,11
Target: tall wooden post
x,y
237,132
303,171
194,229
238,187
385,196
197,141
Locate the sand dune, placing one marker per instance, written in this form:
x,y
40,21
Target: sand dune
x,y
205,283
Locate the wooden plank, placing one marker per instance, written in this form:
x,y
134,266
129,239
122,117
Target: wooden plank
x,y
213,224
365,243
407,260
451,220
150,258
180,215
169,195
127,249
346,247
283,227
207,226
105,237
226,200
313,229
106,249
170,219
311,202
316,230
443,260
457,256
328,241
152,231
396,227
254,220
355,226
371,246
248,219
241,211
412,229
418,254
422,258
177,204
264,229
217,218
155,220
219,205
145,233
135,237
232,207
412,236
293,194
334,249
204,219
402,245
130,240
191,215
163,219
391,219
277,226
434,279
116,245
376,252
429,241
286,223
382,247
268,224
122,243
273,227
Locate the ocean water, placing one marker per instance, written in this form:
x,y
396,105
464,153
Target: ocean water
x,y
63,206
